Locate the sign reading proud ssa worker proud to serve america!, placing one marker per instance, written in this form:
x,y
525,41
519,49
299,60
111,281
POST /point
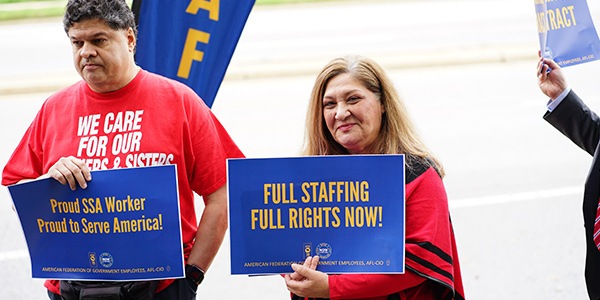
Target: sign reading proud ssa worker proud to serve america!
x,y
348,210
124,226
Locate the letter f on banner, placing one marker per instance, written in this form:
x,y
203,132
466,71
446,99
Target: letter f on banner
x,y
190,41
190,54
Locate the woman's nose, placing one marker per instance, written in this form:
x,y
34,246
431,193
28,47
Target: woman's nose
x,y
342,111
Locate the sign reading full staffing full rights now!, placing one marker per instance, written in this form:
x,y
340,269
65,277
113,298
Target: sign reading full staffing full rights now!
x,y
349,210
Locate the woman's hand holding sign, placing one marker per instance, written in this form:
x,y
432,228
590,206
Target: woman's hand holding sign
x,y
306,281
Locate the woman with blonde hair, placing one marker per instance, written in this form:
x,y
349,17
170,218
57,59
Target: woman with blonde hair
x,y
355,109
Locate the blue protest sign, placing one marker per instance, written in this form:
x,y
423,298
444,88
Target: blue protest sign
x,y
190,41
349,210
124,226
566,31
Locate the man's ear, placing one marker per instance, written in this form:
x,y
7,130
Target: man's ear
x,y
131,40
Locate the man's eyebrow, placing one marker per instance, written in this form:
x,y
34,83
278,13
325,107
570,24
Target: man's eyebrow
x,y
93,36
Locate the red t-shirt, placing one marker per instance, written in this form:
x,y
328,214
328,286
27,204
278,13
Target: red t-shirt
x,y
151,121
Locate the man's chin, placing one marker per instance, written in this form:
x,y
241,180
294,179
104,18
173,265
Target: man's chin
x,y
92,79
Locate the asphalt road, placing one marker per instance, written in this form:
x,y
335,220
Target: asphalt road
x,y
514,183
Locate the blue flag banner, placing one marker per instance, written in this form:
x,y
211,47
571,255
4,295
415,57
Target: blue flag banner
x,y
349,210
190,41
124,226
566,31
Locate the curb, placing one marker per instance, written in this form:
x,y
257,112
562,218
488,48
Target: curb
x,y
388,60
308,66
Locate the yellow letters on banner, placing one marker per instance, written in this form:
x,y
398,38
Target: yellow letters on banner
x,y
95,226
195,36
123,205
190,53
211,6
64,206
335,191
266,219
279,193
356,192
137,225
92,206
52,226
315,217
562,17
367,216
555,19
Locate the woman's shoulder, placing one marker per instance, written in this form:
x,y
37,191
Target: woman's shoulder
x,y
415,166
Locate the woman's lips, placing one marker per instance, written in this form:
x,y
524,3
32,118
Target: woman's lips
x,y
345,127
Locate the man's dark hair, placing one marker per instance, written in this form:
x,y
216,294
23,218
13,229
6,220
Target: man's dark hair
x,y
115,13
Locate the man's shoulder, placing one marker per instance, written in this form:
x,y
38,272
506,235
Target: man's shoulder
x,y
170,87
66,93
162,79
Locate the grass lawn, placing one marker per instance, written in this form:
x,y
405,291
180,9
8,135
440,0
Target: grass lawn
x,y
57,10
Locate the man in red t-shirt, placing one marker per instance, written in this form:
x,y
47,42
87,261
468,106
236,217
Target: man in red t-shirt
x,y
139,119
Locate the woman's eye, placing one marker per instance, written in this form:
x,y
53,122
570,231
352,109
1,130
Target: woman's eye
x,y
353,99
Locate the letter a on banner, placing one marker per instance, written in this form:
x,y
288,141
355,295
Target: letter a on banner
x,y
190,41
566,31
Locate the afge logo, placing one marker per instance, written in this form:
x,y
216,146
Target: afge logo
x,y
93,261
307,250
106,260
323,250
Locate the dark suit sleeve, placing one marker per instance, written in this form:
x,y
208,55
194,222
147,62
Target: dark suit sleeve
x,y
577,122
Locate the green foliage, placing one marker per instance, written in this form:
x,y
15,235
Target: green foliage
x,y
274,2
30,13
17,1
58,9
